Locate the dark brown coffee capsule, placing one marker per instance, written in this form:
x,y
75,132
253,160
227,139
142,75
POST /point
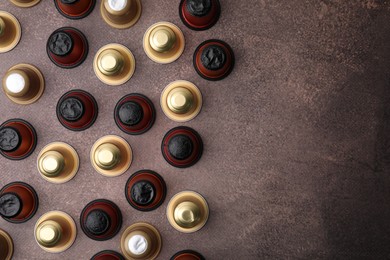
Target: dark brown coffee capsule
x,y
10,31
18,202
141,241
182,147
214,60
18,139
6,246
75,9
121,14
145,190
25,3
107,255
67,47
187,255
101,219
77,110
55,231
23,84
134,114
199,15
187,211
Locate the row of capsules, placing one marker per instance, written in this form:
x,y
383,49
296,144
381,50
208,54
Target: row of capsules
x,y
77,110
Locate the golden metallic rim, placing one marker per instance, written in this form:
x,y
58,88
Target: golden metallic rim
x,y
141,226
122,26
190,114
20,100
167,57
18,30
126,155
25,5
72,162
127,72
192,197
68,226
9,242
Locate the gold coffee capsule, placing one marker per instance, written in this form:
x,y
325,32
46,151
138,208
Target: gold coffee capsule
x,y
55,231
25,3
141,241
111,155
58,162
23,84
120,14
181,101
187,211
163,42
114,64
10,32
6,246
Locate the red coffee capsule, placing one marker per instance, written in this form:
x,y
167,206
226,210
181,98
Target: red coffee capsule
x,y
134,114
182,147
75,9
101,219
199,15
214,60
107,255
18,202
67,47
18,139
187,255
77,110
145,190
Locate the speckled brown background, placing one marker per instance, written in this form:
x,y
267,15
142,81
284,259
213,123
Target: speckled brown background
x,y
297,149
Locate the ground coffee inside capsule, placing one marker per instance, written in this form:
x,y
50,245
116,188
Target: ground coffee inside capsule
x,y
213,57
10,205
9,139
180,147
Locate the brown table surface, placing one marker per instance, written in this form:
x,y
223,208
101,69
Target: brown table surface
x,y
296,161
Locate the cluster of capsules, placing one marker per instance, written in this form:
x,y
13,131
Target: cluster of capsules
x,y
134,114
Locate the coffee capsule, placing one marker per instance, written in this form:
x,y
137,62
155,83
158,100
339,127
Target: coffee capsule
x,y
182,147
187,211
145,190
111,155
114,64
141,241
58,162
187,255
67,47
18,139
6,246
25,3
75,9
23,84
18,202
181,101
214,60
77,110
199,15
101,219
107,255
121,14
134,114
10,31
163,42
55,231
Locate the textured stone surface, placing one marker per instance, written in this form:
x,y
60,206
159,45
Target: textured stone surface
x,y
296,162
